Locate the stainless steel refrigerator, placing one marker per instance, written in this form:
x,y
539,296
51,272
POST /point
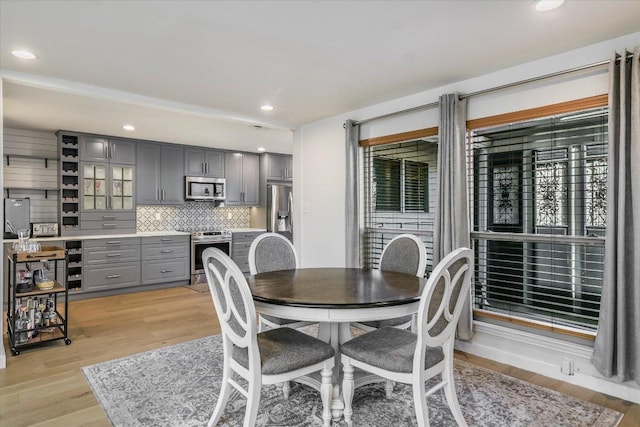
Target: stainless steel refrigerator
x,y
279,208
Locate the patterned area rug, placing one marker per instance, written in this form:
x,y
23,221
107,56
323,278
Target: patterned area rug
x,y
179,385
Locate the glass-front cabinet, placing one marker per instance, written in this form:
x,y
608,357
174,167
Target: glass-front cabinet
x,y
107,187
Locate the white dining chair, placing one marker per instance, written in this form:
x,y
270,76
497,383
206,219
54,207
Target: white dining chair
x,y
270,357
273,252
405,253
414,358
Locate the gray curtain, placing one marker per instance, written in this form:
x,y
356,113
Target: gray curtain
x,y
451,229
352,230
617,346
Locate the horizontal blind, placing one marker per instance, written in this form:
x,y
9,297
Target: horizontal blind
x,y
399,185
538,201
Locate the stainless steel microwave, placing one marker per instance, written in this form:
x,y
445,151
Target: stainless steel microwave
x,y
205,189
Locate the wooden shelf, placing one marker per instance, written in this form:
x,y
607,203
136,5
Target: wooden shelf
x,y
57,288
46,253
25,156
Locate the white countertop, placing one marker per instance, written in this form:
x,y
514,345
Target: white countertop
x,y
245,230
104,236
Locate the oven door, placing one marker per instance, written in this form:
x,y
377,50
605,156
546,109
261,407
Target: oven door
x,y
197,267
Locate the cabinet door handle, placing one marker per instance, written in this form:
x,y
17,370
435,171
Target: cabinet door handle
x,y
108,225
109,217
166,251
113,276
202,167
163,194
105,151
113,151
114,242
113,255
166,271
166,239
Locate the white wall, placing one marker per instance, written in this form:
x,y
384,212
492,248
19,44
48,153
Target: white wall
x,y
320,177
319,148
3,359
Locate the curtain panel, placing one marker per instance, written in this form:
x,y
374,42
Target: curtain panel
x,y
617,345
451,229
352,194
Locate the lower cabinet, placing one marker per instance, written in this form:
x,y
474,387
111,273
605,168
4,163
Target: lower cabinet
x,y
111,263
105,277
240,244
165,259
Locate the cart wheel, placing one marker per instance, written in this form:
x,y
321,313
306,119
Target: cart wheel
x,y
15,351
67,341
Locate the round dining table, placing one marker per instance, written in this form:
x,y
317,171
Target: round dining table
x,y
336,297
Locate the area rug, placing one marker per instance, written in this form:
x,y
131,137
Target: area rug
x,y
178,386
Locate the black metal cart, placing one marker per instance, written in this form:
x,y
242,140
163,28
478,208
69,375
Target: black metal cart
x,y
37,310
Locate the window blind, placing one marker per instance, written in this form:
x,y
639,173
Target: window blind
x,y
399,187
538,201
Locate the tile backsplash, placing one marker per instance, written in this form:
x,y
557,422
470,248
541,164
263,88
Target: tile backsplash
x,y
190,217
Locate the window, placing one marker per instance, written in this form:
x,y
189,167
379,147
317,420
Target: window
x,y
399,184
539,206
398,181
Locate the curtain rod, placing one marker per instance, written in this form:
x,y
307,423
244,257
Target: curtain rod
x,y
493,89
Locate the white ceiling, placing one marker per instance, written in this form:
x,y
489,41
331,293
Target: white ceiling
x,y
196,72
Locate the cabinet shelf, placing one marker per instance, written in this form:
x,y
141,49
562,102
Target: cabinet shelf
x,y
57,288
46,190
26,156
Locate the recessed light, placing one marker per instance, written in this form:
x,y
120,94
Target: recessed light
x,y
546,5
130,128
23,54
267,107
262,149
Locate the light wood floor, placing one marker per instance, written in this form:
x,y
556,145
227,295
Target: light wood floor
x,y
45,385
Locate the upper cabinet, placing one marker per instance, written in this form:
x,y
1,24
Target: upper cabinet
x,y
100,149
106,187
204,162
279,167
160,174
242,174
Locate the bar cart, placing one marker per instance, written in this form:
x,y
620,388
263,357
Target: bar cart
x,y
38,304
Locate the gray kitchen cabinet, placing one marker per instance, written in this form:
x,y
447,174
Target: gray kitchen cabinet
x,y
242,179
101,149
110,263
107,197
279,167
165,259
240,244
159,174
203,162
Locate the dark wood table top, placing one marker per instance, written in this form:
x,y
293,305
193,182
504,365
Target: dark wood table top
x,y
335,288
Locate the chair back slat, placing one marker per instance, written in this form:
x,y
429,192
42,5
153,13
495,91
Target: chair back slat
x,y
272,252
443,297
405,253
231,298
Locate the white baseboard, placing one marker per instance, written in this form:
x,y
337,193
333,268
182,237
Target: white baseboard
x,y
544,356
3,356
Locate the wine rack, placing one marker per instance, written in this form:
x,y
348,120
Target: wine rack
x,y
69,184
74,265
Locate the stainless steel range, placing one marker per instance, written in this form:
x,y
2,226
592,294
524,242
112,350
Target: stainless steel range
x,y
201,240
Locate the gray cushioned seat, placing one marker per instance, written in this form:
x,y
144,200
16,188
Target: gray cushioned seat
x,y
284,350
388,322
389,348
